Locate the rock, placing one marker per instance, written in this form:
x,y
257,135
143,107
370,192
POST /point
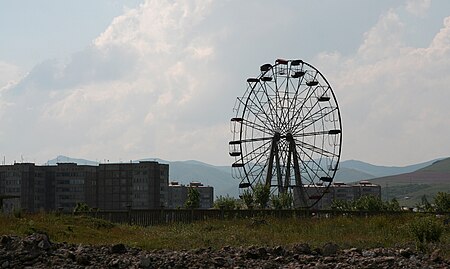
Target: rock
x,y
330,249
219,261
251,254
118,249
405,252
436,255
82,259
368,253
5,239
5,264
302,248
145,262
34,252
279,250
262,251
44,244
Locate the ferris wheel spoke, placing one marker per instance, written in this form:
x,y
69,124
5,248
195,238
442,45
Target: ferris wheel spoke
x,y
254,139
314,171
258,169
280,100
322,116
259,105
254,125
316,149
296,115
325,132
273,109
257,114
296,119
251,156
289,118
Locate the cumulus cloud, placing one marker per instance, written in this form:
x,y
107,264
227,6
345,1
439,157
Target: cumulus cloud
x,y
138,89
9,75
162,78
418,7
394,97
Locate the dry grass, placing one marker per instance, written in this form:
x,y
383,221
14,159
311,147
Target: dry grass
x,y
362,232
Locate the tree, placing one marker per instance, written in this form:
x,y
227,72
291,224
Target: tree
x,y
369,203
282,200
193,199
442,202
393,205
225,202
261,194
425,205
247,197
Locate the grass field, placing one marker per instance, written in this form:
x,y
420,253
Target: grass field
x,y
362,232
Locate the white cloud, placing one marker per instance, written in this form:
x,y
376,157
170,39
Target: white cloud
x,y
134,93
9,75
394,97
161,81
418,7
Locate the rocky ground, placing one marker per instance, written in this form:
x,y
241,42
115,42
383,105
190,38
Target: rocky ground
x,y
37,251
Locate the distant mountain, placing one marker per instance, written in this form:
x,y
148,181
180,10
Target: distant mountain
x,y
381,171
65,159
409,188
347,175
350,171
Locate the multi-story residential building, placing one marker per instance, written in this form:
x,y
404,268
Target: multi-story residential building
x,y
178,194
25,182
336,191
132,185
341,191
73,184
364,188
107,186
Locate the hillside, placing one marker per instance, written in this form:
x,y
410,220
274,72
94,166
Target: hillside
x,y
409,188
381,171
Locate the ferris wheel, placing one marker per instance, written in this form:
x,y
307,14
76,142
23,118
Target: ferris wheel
x,y
287,132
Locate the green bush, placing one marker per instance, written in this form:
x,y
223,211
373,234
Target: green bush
x,y
442,202
247,197
261,194
369,203
81,207
282,200
226,202
425,230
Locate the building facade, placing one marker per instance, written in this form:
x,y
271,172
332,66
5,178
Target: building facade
x,y
338,191
178,194
34,188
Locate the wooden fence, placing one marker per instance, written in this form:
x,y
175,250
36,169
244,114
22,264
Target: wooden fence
x,y
166,216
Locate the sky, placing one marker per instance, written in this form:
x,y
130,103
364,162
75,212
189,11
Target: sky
x,y
119,80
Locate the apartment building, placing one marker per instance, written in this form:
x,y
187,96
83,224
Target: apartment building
x,y
33,188
132,185
178,194
336,191
364,188
73,184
